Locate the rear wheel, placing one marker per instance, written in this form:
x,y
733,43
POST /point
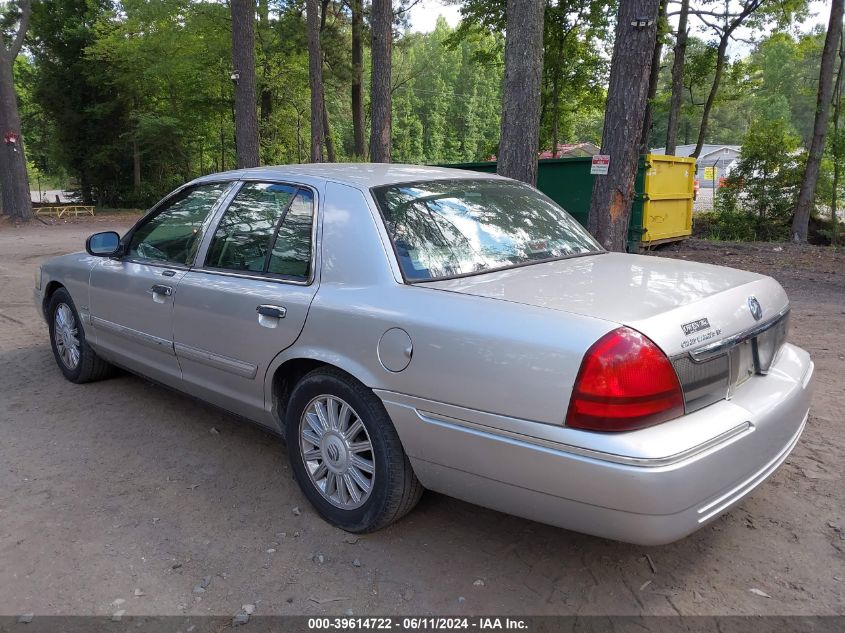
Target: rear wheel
x,y
346,455
77,360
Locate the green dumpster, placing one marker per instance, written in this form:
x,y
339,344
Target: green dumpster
x,y
663,193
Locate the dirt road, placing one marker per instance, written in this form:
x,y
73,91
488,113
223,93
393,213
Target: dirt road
x,y
120,488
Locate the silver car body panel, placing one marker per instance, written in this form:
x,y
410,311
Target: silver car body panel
x,y
132,323
491,360
650,294
651,501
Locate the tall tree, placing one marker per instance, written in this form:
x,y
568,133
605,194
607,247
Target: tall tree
x,y
359,148
679,54
266,97
636,31
315,80
521,91
331,156
243,63
381,26
807,193
654,76
14,182
837,148
724,25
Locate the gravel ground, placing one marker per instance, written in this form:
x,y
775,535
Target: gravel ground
x,y
119,496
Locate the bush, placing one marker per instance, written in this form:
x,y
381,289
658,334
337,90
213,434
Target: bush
x,y
758,196
724,225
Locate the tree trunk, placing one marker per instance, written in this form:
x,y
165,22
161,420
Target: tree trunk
x,y
14,181
520,131
381,25
721,56
623,122
653,78
315,80
801,220
837,148
359,146
136,166
680,53
266,98
243,63
725,35
558,62
327,131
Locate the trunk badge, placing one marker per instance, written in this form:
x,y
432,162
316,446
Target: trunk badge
x,y
756,309
695,326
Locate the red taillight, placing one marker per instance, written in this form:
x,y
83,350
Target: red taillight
x,y
625,383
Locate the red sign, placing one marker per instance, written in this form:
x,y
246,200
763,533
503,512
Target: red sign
x,y
600,164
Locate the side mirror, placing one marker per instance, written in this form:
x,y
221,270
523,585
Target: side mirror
x,y
103,244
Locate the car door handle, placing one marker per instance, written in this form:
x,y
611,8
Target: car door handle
x,y
159,289
276,312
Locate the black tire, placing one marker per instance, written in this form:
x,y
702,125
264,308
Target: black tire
x,y
395,489
90,367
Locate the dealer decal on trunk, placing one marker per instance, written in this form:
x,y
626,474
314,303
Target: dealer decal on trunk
x,y
693,327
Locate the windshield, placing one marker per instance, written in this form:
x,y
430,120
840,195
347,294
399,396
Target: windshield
x,y
444,228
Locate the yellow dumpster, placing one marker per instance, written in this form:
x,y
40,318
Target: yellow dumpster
x,y
667,198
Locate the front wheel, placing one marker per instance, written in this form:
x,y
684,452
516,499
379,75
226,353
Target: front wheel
x,y
77,360
346,455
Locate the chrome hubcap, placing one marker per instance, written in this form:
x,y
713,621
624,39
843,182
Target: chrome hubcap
x,y
337,452
66,335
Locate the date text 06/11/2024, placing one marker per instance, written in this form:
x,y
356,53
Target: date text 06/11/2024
x,y
427,623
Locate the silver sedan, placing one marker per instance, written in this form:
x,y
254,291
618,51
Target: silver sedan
x,y
409,327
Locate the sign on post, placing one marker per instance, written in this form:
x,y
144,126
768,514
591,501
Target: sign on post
x,y
711,172
600,164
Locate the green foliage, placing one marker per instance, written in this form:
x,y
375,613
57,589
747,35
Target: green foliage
x,y
113,85
110,85
778,79
760,192
447,97
87,117
575,62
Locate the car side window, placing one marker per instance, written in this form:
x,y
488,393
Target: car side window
x,y
266,229
245,232
172,235
291,254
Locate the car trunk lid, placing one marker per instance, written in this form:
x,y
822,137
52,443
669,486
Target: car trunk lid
x,y
680,305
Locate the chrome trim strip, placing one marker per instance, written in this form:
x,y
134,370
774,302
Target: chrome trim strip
x,y
740,490
155,342
644,462
232,365
255,277
712,350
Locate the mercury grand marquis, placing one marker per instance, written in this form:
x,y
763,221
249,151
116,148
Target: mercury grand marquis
x,y
408,327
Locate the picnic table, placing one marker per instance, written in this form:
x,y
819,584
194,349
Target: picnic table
x,y
61,211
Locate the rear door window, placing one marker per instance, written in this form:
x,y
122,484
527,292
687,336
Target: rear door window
x,y
267,228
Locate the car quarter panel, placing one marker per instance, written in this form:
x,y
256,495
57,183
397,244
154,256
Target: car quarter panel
x,y
473,352
649,501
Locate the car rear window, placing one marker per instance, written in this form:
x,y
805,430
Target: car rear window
x,y
448,228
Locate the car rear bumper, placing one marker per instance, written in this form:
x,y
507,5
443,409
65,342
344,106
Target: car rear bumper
x,y
648,487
